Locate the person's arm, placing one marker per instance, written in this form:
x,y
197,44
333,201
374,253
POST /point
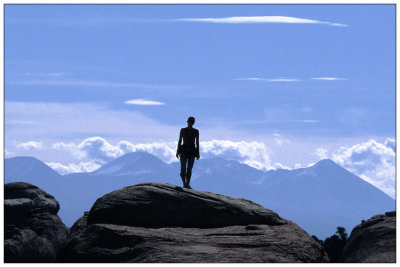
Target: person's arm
x,y
198,145
179,143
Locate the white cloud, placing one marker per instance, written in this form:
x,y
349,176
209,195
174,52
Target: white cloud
x,y
328,78
283,80
254,154
391,143
143,102
280,166
165,151
96,149
372,161
268,80
338,25
120,20
258,79
30,145
61,145
297,166
280,140
259,19
73,168
321,153
100,151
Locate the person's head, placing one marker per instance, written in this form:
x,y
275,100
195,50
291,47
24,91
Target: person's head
x,y
191,121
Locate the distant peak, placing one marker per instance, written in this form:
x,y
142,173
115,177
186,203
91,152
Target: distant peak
x,y
25,159
137,155
130,163
326,162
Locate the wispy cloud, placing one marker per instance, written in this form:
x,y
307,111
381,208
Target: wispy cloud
x,y
328,78
78,120
268,80
337,25
283,80
261,19
143,102
45,74
20,122
258,79
78,21
117,21
93,83
280,140
251,79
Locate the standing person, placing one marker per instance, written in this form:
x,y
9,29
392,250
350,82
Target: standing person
x,y
188,151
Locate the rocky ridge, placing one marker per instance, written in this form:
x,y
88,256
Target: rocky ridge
x,y
155,222
372,241
32,230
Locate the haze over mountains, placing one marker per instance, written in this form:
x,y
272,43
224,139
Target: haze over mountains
x,y
318,198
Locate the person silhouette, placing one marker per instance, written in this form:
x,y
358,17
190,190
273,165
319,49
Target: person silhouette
x,y
188,151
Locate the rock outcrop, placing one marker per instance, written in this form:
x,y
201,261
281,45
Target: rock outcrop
x,y
372,241
32,230
156,222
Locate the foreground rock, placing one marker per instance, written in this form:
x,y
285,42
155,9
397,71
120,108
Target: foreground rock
x,y
373,240
162,223
32,230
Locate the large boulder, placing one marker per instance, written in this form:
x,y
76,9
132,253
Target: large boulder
x,y
32,230
372,241
156,222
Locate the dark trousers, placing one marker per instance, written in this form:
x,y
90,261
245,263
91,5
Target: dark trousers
x,y
186,165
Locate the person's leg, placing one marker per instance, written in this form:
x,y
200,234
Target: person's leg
x,y
189,170
183,160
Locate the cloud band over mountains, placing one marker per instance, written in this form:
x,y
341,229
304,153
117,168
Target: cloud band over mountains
x,y
372,161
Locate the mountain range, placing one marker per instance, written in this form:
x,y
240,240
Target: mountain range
x,y
318,198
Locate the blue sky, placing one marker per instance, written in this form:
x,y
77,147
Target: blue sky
x,y
312,76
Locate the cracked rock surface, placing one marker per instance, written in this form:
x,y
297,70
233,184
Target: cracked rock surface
x,y
156,222
32,230
374,240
